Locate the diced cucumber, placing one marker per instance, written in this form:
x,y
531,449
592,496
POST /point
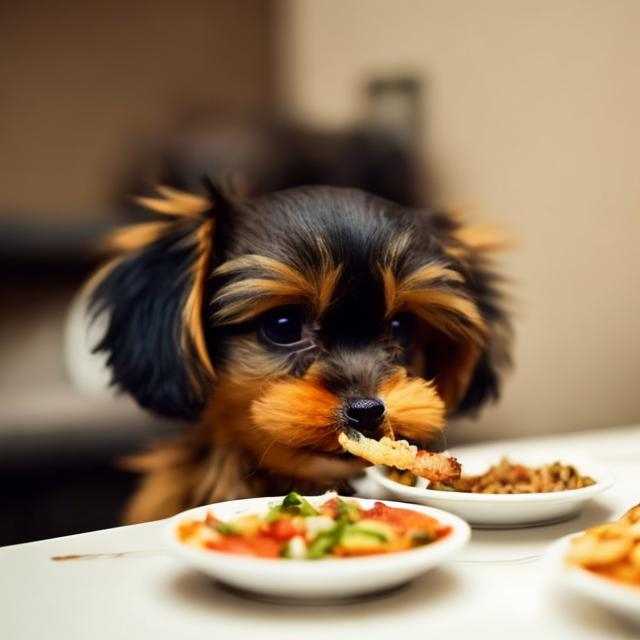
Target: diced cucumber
x,y
316,525
226,528
295,549
274,513
349,510
366,535
360,531
325,541
376,526
358,541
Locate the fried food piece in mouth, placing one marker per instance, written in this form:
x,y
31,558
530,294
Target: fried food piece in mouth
x,y
401,455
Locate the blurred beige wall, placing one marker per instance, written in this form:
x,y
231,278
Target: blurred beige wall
x,y
532,111
81,82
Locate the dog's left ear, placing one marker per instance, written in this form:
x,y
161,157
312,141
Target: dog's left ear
x,y
152,296
475,375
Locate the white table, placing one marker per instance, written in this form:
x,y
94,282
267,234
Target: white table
x,y
496,589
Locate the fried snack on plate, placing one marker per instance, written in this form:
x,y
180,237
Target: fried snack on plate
x,y
401,455
611,550
633,515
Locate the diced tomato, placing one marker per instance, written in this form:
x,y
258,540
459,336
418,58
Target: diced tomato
x,y
442,531
261,546
284,529
402,518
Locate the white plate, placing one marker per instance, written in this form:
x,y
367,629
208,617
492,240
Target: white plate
x,y
615,596
327,579
500,510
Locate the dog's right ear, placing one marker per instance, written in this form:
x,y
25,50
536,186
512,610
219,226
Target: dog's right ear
x,y
152,296
472,245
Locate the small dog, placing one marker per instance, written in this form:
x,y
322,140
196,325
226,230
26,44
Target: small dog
x,y
275,322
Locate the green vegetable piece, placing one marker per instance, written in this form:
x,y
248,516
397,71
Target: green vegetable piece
x,y
306,509
348,510
358,538
274,513
357,542
294,503
292,499
354,529
422,536
326,541
226,528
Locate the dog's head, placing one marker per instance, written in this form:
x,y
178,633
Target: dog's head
x,y
290,317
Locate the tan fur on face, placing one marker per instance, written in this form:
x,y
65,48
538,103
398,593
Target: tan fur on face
x,y
425,293
298,412
451,313
453,319
435,294
234,425
278,284
261,295
301,412
431,292
267,405
254,374
414,408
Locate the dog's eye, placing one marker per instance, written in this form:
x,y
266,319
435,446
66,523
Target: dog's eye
x,y
402,326
282,326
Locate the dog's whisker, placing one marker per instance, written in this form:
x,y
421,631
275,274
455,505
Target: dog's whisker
x,y
266,451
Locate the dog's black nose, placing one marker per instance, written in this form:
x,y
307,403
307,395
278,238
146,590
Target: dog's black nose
x,y
365,414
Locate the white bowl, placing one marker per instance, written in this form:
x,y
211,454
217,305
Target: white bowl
x,y
496,511
327,579
616,596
